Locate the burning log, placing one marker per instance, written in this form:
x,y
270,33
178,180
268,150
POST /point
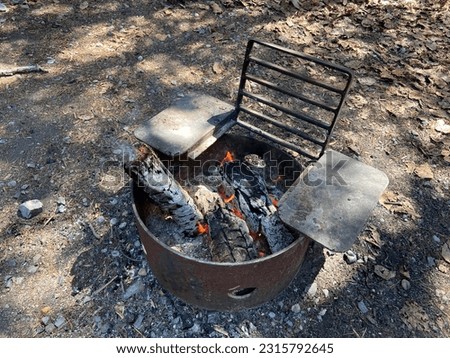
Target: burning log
x,y
228,234
150,173
256,204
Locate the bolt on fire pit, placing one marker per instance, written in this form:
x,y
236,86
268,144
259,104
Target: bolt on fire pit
x,y
247,201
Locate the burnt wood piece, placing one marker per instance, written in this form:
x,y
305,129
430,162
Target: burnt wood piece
x,y
229,239
150,173
256,204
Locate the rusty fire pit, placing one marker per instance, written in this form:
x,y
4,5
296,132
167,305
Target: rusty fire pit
x,y
222,286
287,103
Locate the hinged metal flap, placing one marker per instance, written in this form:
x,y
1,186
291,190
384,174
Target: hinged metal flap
x,y
332,200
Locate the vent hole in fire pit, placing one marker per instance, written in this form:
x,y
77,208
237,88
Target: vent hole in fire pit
x,y
242,293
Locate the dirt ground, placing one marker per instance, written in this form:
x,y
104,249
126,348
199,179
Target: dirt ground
x,y
78,270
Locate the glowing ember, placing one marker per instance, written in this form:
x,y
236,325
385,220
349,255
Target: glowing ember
x,y
227,200
228,158
237,213
274,201
202,228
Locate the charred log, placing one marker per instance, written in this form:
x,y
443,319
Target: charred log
x,y
230,238
150,173
256,204
228,235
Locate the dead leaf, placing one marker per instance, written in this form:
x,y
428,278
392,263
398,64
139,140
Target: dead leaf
x,y
218,68
85,117
46,310
398,204
216,8
424,171
442,127
415,317
120,309
405,273
373,236
446,251
383,272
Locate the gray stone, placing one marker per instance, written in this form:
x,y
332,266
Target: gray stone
x,y
362,307
3,8
445,252
187,124
59,321
113,221
436,239
406,284
30,208
350,257
134,289
312,290
138,323
326,293
272,315
122,225
45,320
12,183
332,200
50,328
32,269
296,308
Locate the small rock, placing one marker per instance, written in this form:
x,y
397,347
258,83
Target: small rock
x,y
138,323
24,187
436,239
30,208
442,127
37,259
85,202
140,58
431,261
296,308
115,253
32,269
12,183
61,209
446,251
3,8
272,315
122,225
59,322
61,201
326,293
45,320
113,201
142,272
350,257
50,328
362,307
312,290
8,281
196,328
101,219
322,312
134,289
84,5
31,165
113,221
406,284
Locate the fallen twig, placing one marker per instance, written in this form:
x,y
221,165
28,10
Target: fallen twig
x,y
104,286
20,70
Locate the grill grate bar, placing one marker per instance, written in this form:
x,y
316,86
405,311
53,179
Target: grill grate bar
x,y
298,115
275,87
281,125
296,75
276,139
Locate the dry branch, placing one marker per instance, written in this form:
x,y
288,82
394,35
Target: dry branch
x,y
21,70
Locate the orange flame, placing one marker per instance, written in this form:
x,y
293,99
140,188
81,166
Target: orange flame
x,y
227,200
228,158
202,228
274,201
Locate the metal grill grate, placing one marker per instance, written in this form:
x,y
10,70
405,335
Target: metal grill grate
x,y
290,98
